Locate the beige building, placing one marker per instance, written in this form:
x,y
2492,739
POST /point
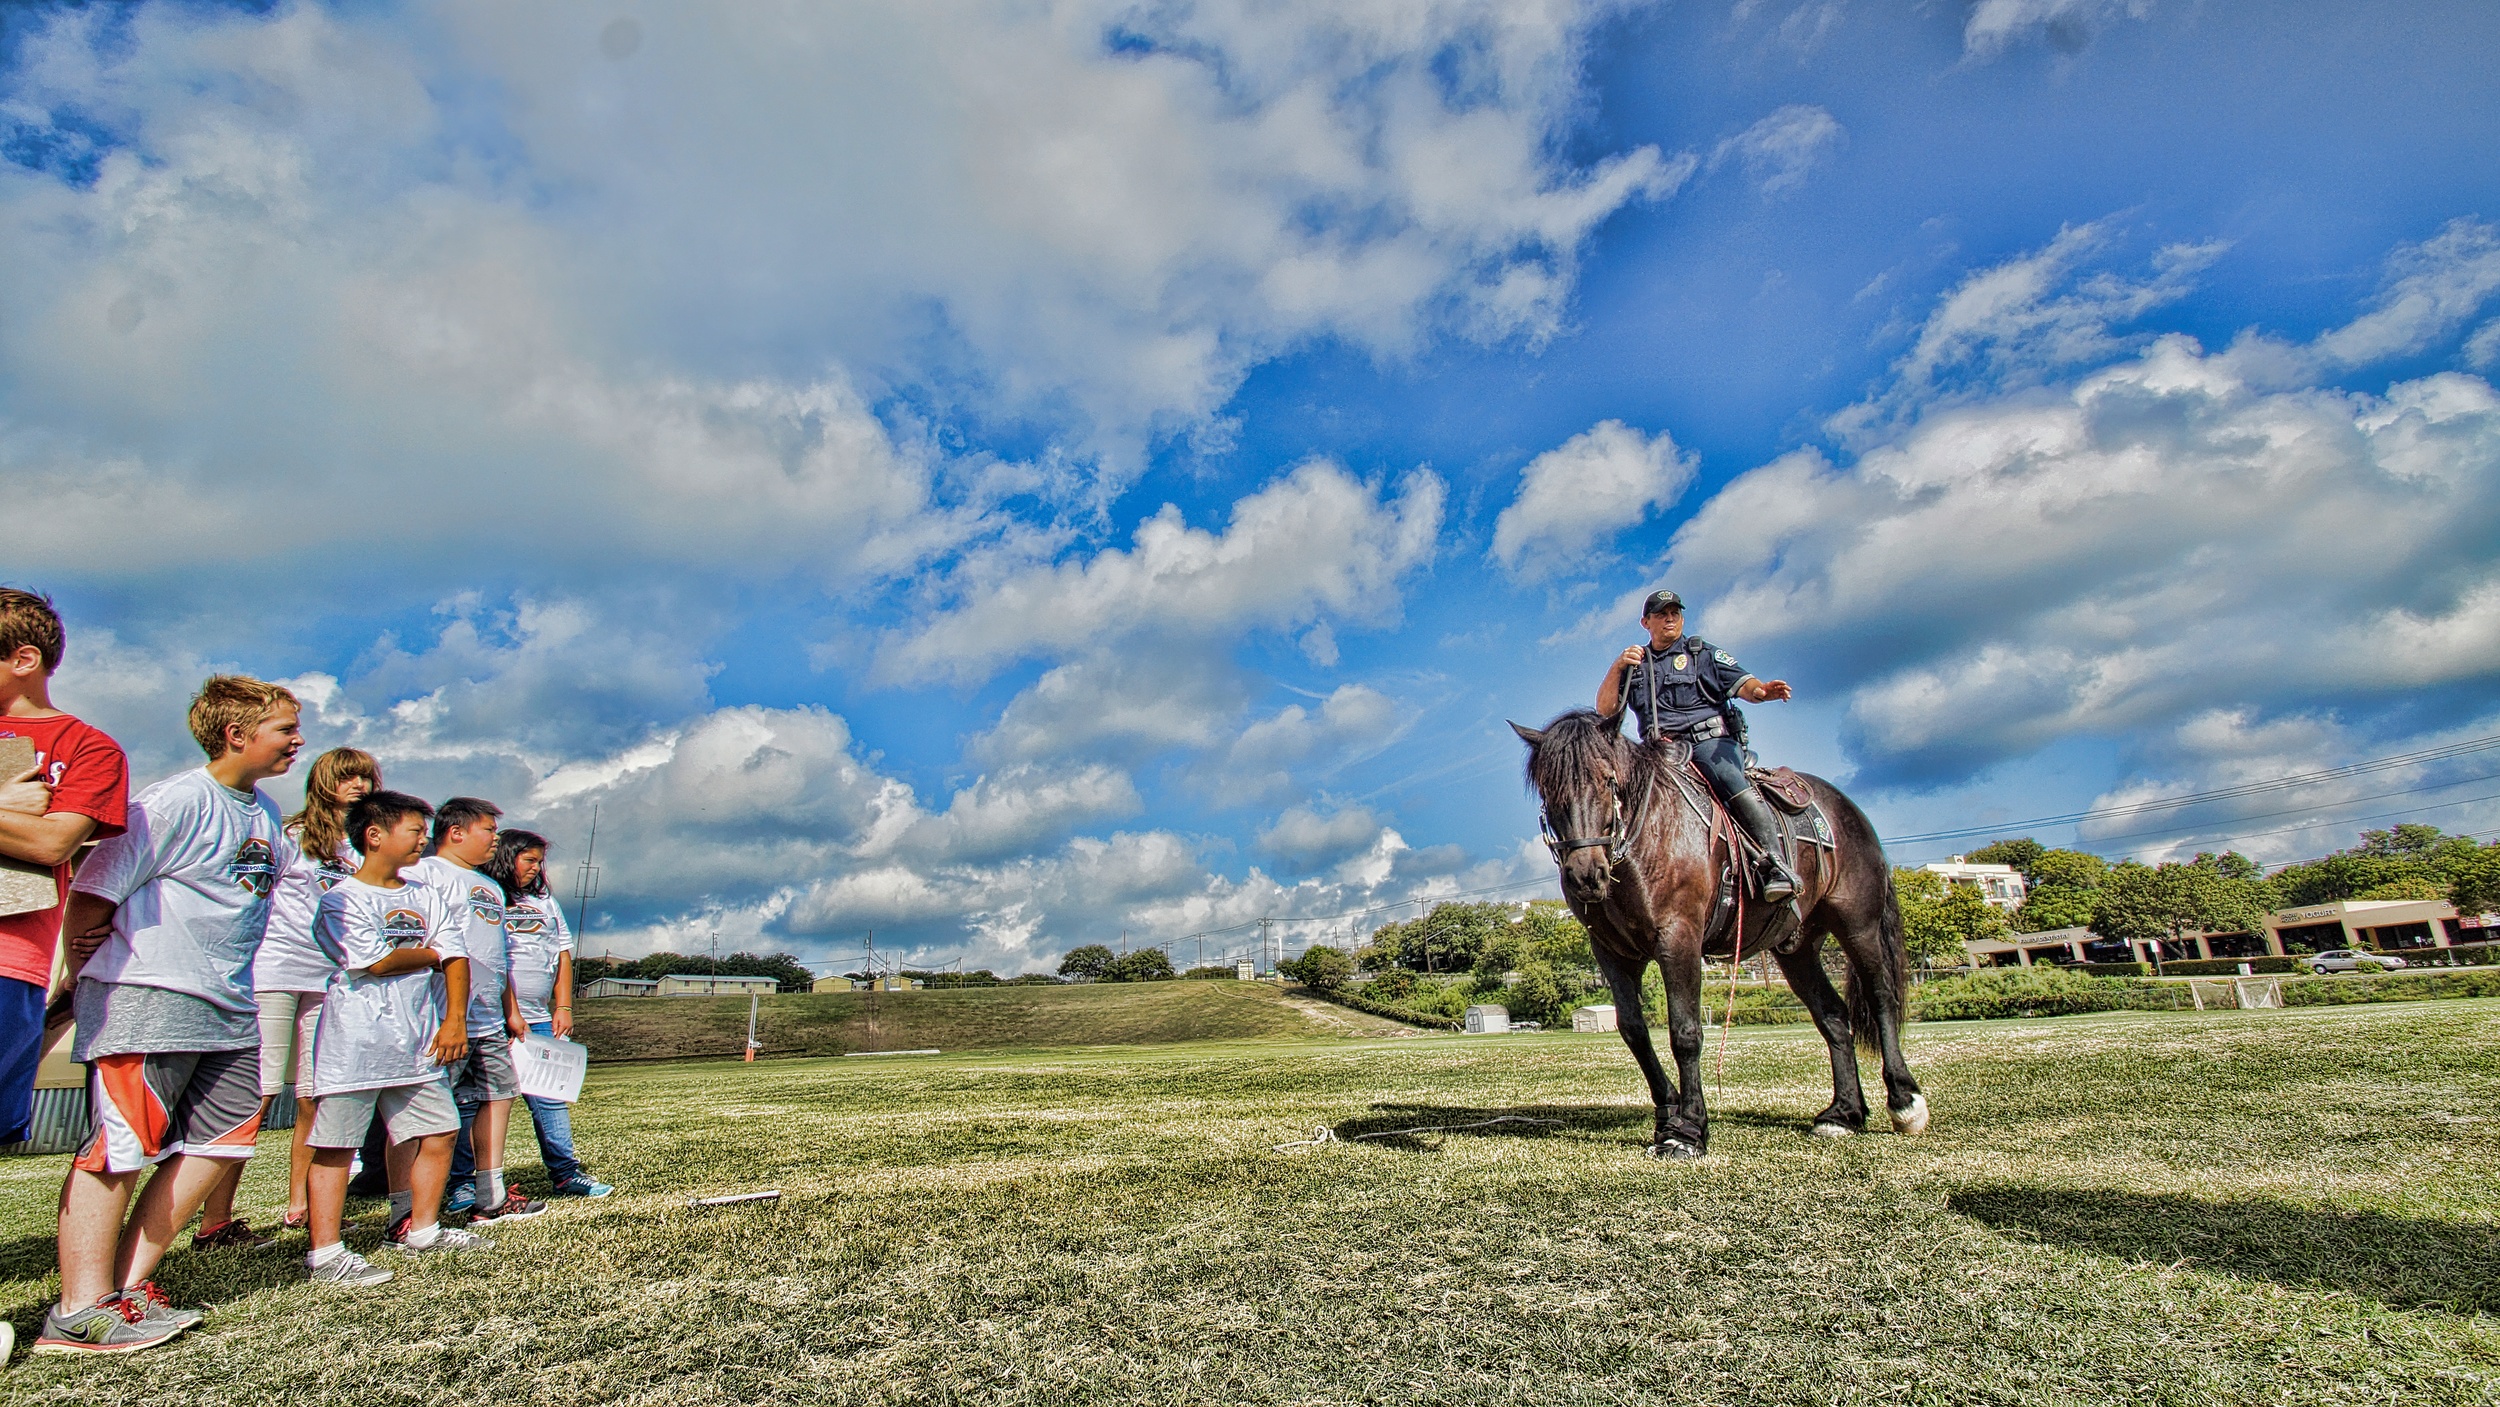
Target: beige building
x,y
831,984
620,987
681,984
2382,925
2000,885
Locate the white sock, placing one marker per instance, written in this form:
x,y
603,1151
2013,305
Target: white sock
x,y
420,1237
323,1255
402,1203
490,1187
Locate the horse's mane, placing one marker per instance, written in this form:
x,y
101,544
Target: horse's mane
x,y
1575,743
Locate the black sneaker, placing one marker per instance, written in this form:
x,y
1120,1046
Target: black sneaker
x,y
232,1234
115,1324
514,1208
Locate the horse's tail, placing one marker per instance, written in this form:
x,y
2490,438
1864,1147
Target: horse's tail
x,y
1881,987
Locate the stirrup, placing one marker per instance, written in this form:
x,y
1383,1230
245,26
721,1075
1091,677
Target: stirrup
x,y
1774,883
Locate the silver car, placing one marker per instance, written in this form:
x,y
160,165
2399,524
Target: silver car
x,y
2346,960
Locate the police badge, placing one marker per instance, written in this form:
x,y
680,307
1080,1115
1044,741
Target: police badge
x,y
1680,661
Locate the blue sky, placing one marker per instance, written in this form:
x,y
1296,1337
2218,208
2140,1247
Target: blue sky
x,y
1002,476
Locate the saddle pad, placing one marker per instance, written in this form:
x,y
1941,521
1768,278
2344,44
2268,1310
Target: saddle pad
x,y
1783,786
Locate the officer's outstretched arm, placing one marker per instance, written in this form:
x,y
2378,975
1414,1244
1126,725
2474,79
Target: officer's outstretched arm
x,y
1753,690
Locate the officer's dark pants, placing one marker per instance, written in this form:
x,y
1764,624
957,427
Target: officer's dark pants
x,y
1723,762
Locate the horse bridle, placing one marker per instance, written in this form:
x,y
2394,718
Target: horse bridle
x,y
1617,840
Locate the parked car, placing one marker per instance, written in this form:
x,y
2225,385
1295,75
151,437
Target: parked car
x,y
2346,960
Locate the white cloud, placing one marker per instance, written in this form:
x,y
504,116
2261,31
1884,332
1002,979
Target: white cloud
x,y
1778,151
1261,762
1575,496
1121,702
1305,839
2068,25
1316,541
2433,288
2161,537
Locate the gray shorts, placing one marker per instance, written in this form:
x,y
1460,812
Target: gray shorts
x,y
487,1072
408,1111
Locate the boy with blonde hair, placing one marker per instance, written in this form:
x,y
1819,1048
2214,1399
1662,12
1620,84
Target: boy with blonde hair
x,y
163,924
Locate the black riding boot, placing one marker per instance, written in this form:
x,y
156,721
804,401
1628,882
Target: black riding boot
x,y
1779,883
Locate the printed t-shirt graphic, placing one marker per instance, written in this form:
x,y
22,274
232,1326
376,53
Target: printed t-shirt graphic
x,y
374,1031
478,903
191,876
536,933
89,777
290,961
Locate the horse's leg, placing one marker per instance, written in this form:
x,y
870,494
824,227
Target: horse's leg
x,y
1623,978
1688,1134
1878,1007
1803,964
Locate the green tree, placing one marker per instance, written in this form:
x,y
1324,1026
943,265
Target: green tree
x,y
1320,966
2053,906
2019,853
2077,869
2212,893
1144,965
1938,918
1091,960
2474,886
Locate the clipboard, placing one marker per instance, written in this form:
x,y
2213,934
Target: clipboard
x,y
25,888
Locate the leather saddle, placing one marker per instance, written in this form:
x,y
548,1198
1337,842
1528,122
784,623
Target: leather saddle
x,y
1786,789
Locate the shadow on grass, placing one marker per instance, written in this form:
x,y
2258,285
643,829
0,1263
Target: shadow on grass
x,y
1433,1121
2402,1262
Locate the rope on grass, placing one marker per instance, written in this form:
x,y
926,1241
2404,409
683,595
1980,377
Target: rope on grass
x,y
1322,1135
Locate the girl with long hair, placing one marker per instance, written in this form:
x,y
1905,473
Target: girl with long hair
x,y
289,975
541,945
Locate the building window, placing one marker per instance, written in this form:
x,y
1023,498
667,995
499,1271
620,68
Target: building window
x,y
2402,935
2311,937
2236,945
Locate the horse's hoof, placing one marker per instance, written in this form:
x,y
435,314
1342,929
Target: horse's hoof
x,y
1911,1118
1673,1148
1834,1131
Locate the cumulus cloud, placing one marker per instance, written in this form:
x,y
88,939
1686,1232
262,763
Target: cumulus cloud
x,y
1316,541
1261,762
1575,496
1778,151
2433,288
2163,533
2066,25
1304,839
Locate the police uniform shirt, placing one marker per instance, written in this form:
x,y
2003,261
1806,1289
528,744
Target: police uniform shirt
x,y
1693,681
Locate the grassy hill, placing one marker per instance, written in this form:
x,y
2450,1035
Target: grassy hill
x,y
972,1018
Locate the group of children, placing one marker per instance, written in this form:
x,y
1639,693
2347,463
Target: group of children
x,y
382,954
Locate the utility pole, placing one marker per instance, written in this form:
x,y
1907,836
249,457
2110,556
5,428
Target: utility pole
x,y
713,988
586,883
1264,925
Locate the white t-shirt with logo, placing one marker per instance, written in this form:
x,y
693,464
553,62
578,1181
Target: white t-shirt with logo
x,y
375,1031
537,935
477,901
290,961
191,876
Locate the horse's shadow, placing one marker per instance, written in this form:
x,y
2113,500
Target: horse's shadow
x,y
1419,1127
2402,1262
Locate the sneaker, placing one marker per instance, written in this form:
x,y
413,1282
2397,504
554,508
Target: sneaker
x,y
515,1206
115,1324
156,1304
449,1239
460,1200
584,1186
396,1237
232,1234
349,1271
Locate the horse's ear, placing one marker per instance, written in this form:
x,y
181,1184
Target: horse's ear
x,y
1533,737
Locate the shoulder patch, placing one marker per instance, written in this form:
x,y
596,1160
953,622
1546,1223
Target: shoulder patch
x,y
1723,657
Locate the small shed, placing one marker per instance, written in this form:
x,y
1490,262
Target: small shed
x,y
1487,1020
620,987
1594,1018
1247,971
831,984
708,984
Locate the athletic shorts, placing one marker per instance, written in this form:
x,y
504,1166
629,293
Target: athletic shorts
x,y
408,1111
287,1023
150,1107
487,1072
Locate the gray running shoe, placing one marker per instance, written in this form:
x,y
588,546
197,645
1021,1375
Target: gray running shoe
x,y
514,1208
350,1271
117,1324
452,1239
156,1304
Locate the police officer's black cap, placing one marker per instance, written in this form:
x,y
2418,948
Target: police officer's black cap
x,y
1661,602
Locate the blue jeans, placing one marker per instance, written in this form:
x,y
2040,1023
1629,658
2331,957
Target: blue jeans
x,y
552,1119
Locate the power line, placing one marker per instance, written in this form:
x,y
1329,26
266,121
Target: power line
x,y
2171,803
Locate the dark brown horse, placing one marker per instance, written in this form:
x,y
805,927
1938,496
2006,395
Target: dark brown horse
x,y
1646,863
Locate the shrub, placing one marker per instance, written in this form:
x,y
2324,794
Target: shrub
x,y
2228,967
2034,991
2397,987
1144,965
1355,1000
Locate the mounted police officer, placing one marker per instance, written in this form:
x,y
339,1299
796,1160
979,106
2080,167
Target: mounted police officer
x,y
1680,687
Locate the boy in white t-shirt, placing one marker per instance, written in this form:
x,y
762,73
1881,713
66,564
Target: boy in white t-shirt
x,y
487,1081
388,1026
165,919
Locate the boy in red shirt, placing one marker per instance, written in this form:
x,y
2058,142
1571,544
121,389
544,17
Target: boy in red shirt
x,y
76,790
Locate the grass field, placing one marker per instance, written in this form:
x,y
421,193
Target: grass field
x,y
970,1018
2144,1208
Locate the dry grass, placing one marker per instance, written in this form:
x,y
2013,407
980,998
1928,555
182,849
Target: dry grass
x,y
2229,1207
